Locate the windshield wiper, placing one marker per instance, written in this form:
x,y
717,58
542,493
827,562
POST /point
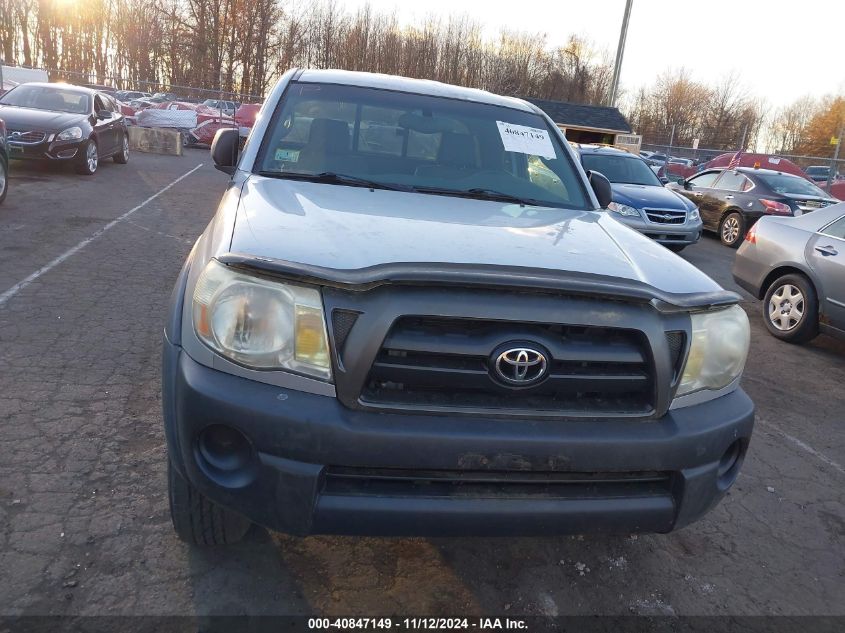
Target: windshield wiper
x,y
332,178
483,194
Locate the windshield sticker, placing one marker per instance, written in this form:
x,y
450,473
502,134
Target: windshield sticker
x,y
526,140
288,155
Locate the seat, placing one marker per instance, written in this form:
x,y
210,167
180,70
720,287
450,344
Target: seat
x,y
455,155
51,101
328,141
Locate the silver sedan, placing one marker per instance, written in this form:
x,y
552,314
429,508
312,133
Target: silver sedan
x,y
797,266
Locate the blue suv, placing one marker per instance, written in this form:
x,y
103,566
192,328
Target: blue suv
x,y
641,201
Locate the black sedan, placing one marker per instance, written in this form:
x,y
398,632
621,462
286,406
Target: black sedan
x,y
730,201
62,123
4,162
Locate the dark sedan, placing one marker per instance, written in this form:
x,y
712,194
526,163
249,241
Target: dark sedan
x,y
4,162
62,123
732,200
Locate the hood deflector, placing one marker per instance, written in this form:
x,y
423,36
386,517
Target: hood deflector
x,y
483,276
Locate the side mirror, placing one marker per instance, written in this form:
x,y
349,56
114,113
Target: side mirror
x,y
224,150
601,187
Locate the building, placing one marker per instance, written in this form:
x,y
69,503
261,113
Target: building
x,y
590,124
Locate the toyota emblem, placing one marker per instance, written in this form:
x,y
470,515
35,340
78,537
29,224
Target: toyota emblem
x,y
520,366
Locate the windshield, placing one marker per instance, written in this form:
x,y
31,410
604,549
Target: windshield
x,y
784,183
52,98
818,171
621,169
419,142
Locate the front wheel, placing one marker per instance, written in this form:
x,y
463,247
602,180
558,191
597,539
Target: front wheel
x,y
197,519
4,179
122,157
88,158
732,229
791,309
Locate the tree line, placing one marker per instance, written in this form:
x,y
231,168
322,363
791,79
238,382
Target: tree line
x,y
242,46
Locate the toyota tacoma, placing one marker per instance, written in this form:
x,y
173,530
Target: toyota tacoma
x,y
412,315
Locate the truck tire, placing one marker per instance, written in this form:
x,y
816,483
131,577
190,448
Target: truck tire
x,y
197,519
791,309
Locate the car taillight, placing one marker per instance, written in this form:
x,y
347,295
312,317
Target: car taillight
x,y
777,208
751,236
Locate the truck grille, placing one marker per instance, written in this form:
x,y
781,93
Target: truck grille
x,y
666,216
432,362
26,137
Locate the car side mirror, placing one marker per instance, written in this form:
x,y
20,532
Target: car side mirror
x,y
601,187
683,182
224,150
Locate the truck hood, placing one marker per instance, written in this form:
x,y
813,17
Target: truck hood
x,y
647,196
345,228
41,120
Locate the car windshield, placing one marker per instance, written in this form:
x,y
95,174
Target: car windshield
x,y
784,183
52,98
621,169
818,171
420,143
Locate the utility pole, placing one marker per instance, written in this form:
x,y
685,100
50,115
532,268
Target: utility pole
x,y
835,160
620,50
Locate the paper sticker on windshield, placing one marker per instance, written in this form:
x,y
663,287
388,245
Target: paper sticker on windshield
x,y
526,140
289,155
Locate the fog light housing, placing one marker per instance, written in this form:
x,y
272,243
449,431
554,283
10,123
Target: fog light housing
x,y
728,469
226,456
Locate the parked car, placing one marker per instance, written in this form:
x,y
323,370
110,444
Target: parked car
x,y
415,337
4,162
109,90
641,201
756,161
128,95
732,200
64,123
142,104
797,267
820,173
226,107
656,159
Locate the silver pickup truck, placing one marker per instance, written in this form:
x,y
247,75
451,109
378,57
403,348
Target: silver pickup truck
x,y
411,315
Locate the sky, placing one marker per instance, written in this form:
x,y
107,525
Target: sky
x,y
781,49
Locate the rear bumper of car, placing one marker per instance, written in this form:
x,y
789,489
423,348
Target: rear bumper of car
x,y
303,463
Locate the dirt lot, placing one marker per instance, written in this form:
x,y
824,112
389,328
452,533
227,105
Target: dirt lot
x,y
86,268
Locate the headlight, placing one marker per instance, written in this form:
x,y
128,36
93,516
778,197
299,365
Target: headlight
x,y
718,350
70,134
694,215
261,324
623,209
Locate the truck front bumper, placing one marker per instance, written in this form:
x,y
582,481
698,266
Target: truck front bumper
x,y
305,464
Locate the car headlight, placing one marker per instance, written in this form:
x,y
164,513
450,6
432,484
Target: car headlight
x,y
623,209
718,350
694,216
261,324
70,134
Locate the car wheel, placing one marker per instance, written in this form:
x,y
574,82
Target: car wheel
x,y
4,179
676,248
732,229
122,157
88,158
791,309
197,519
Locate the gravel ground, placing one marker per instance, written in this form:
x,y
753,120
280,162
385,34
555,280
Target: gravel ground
x,y
83,509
